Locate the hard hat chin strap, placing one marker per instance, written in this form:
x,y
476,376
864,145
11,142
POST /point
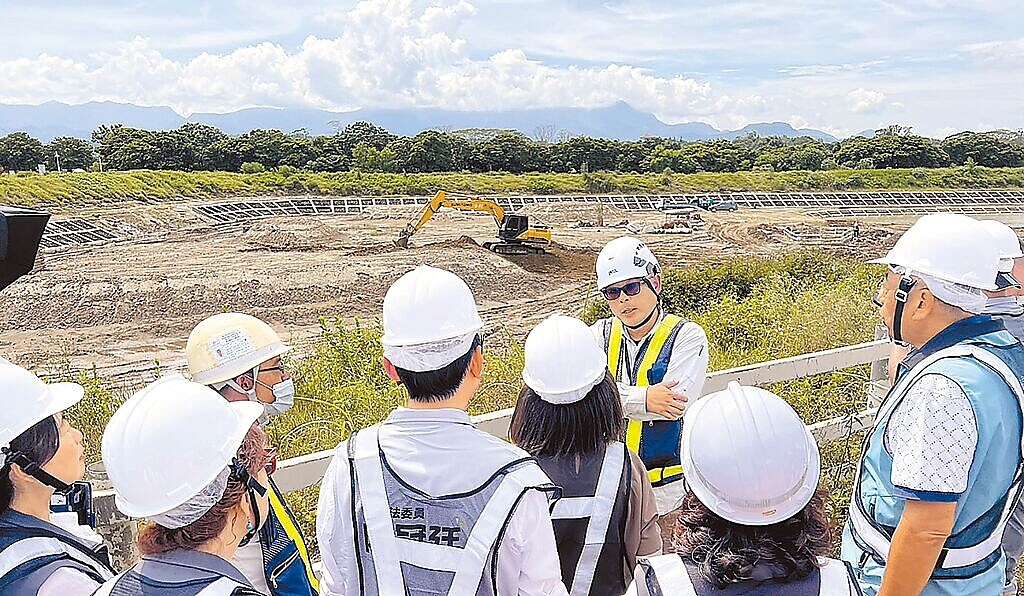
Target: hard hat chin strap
x,y
252,488
902,295
34,470
654,311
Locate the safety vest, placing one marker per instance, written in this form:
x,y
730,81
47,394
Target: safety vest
x,y
286,559
590,518
655,441
669,575
411,543
178,573
986,367
28,555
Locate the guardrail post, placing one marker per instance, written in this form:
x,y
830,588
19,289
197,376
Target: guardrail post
x,y
878,383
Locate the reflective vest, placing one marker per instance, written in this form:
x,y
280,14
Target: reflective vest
x,y
286,559
986,367
590,519
668,575
129,583
30,554
410,543
655,441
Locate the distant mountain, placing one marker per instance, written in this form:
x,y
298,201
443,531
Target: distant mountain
x,y
618,121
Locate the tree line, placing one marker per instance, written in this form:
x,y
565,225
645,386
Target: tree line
x,y
366,147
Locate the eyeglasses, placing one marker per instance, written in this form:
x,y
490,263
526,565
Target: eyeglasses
x,y
271,455
279,368
630,289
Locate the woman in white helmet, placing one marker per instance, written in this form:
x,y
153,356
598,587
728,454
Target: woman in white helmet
x,y
50,554
195,466
569,417
753,520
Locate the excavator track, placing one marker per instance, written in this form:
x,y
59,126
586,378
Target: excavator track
x,y
513,248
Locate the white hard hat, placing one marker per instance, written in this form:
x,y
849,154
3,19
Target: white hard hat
x,y
1008,245
25,401
230,344
625,258
747,456
563,360
169,442
949,247
430,319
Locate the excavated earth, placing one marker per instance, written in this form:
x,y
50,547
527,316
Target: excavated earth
x,y
131,303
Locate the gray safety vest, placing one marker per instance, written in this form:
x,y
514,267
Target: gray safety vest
x,y
176,574
590,518
411,543
669,575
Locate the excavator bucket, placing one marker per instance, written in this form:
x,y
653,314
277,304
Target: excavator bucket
x,y
403,240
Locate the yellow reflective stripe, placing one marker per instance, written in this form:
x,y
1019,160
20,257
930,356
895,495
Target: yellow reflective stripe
x,y
633,431
659,474
614,348
654,348
284,516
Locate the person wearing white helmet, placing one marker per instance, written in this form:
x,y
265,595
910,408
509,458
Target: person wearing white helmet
x,y
240,357
41,454
195,466
569,417
753,520
940,470
660,361
424,503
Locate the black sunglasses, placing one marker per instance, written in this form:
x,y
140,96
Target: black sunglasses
x,y
630,289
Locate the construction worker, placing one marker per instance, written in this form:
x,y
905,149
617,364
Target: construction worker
x,y
940,470
239,356
660,361
1003,304
753,520
194,465
41,454
569,417
440,507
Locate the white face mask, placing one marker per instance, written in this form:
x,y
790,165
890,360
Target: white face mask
x,y
284,398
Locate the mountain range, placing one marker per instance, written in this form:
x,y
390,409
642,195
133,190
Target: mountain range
x,y
618,121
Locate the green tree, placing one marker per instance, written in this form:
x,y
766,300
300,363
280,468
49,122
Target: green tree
x,y
370,159
74,154
893,151
984,149
21,152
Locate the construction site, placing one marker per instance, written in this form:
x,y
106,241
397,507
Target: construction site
x,y
119,287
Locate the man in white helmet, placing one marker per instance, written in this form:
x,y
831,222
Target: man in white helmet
x,y
424,502
659,360
940,469
754,521
239,356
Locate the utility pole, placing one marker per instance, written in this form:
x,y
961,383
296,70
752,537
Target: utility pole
x,y
57,156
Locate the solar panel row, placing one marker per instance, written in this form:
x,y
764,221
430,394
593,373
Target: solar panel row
x,y
73,232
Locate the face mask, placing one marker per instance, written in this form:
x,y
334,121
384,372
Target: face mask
x,y
284,398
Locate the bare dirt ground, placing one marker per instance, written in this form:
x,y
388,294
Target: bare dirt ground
x,y
133,302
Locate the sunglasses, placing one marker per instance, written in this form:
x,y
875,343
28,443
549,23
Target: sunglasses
x,y
630,289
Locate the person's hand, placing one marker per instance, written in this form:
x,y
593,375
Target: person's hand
x,y
664,402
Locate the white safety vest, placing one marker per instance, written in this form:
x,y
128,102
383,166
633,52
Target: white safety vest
x,y
666,575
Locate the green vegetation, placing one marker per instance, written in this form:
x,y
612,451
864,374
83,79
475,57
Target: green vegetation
x,y
83,190
753,310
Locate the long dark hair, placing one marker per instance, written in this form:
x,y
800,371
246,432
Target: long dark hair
x,y
726,552
545,429
39,444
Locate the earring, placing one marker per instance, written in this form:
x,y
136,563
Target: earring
x,y
249,527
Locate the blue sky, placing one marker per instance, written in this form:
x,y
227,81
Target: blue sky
x,y
938,65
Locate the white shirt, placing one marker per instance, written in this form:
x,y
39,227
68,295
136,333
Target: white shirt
x,y
932,436
66,581
440,453
687,365
249,560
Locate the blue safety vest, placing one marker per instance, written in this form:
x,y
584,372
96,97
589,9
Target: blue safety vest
x,y
986,362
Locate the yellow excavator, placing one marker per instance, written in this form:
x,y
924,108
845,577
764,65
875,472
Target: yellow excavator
x,y
515,234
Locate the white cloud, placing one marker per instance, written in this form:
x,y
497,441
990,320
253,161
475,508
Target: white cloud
x,y
863,100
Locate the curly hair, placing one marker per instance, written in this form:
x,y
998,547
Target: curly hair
x,y
155,539
726,552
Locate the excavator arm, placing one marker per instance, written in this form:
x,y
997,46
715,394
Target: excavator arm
x,y
441,200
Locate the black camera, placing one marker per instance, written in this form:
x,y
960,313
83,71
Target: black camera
x,y
77,499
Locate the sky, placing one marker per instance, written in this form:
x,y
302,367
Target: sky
x,y
940,66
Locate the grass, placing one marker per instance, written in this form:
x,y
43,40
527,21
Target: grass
x,y
143,186
753,310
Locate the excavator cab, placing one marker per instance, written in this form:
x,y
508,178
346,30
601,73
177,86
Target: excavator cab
x,y
513,227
